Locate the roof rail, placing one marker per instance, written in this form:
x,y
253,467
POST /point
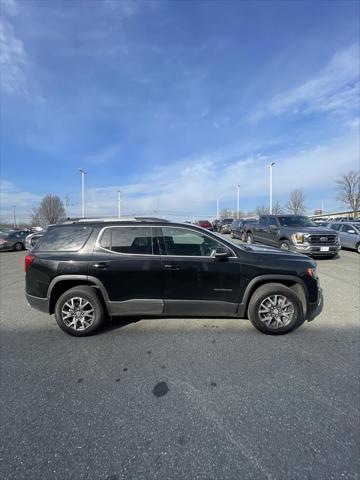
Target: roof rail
x,y
114,219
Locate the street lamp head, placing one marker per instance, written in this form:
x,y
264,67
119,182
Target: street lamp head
x,y
271,164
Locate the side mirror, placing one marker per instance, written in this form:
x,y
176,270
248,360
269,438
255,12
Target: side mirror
x,y
273,228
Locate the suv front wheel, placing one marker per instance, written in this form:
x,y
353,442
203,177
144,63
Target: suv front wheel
x,y
275,309
79,311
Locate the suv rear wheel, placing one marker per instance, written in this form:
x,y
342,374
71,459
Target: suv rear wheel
x,y
79,311
275,309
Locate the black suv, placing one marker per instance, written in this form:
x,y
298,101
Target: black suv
x,y
85,270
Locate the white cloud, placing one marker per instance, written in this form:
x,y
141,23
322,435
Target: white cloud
x,y
334,89
13,61
10,7
190,187
10,195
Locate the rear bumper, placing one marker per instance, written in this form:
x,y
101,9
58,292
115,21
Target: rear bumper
x,y
38,303
314,309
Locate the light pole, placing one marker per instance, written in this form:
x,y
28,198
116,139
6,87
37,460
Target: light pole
x,y
270,189
119,203
14,212
217,208
238,202
82,173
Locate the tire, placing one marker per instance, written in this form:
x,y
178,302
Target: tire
x,y
232,235
358,247
74,326
18,247
260,300
249,238
243,237
285,245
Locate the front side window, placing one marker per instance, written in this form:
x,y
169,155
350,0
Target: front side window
x,y
335,226
128,240
348,228
263,222
272,221
182,242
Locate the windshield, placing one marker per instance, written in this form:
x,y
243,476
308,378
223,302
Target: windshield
x,y
227,220
296,221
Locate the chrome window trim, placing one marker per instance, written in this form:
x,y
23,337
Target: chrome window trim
x,y
97,243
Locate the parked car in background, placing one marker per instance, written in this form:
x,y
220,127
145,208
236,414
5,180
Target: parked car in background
x,y
294,232
13,240
216,225
204,224
86,270
32,239
226,225
239,228
349,234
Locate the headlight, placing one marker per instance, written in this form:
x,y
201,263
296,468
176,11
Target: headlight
x,y
298,237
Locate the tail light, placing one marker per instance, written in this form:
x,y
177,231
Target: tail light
x,y
28,261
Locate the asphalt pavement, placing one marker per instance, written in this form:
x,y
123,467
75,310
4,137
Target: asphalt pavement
x,y
175,399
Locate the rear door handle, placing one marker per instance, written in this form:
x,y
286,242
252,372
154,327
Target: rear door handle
x,y
101,265
172,266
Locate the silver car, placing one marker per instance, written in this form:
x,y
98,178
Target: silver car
x,y
349,234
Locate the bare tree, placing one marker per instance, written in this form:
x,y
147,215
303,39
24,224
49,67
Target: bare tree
x,y
261,210
348,187
296,201
50,211
226,213
277,209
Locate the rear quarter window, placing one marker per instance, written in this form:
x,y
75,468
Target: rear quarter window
x,y
64,239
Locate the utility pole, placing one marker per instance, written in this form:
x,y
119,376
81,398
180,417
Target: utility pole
x,y
14,212
238,202
82,173
270,187
119,203
217,208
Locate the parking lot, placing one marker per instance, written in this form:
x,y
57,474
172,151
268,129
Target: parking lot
x,y
181,398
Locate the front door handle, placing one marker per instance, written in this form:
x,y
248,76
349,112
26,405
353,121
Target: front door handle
x,y
101,265
172,266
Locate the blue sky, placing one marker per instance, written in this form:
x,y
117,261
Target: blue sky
x,y
177,102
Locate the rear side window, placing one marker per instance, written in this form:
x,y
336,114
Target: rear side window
x,y
128,240
64,239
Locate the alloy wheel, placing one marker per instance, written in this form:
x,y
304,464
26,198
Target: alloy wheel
x,y
78,313
276,311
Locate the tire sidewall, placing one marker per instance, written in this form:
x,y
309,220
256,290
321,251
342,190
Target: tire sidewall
x,y
249,238
284,242
91,296
18,247
264,292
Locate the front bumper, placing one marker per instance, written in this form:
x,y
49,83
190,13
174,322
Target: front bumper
x,y
38,303
316,250
314,309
